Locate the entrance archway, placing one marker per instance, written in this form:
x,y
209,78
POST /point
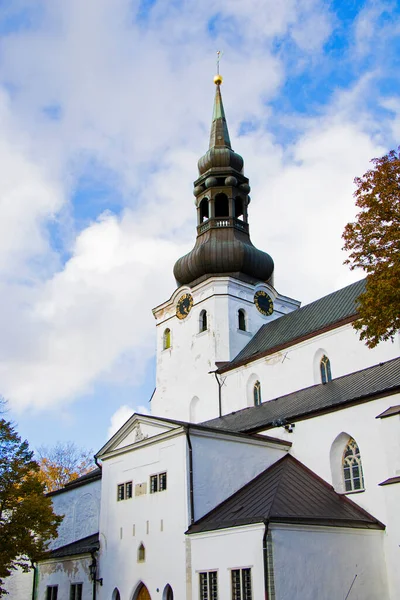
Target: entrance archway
x,y
143,593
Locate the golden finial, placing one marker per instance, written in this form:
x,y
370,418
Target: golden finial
x,y
218,79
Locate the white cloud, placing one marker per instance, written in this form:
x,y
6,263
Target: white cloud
x,y
119,418
137,101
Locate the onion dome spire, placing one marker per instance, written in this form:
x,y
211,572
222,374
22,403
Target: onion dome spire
x,y
223,246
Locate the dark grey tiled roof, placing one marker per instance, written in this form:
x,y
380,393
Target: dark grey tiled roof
x,y
360,386
287,492
83,546
82,480
300,323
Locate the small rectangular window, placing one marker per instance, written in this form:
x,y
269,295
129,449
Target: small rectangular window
x,y
121,492
153,484
241,584
208,585
162,481
51,592
128,489
75,591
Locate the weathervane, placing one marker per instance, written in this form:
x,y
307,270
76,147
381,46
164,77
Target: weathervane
x,y
218,78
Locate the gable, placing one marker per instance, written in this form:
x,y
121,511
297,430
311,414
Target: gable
x,y
137,430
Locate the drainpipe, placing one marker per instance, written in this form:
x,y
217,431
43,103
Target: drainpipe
x,y
35,568
191,499
93,572
265,558
219,391
97,462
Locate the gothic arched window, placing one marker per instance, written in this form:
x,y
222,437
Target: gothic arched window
x,y
203,321
241,319
257,393
141,553
167,339
168,593
325,366
352,467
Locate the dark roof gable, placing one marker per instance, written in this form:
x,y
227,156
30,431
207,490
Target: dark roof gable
x,y
361,386
286,492
332,310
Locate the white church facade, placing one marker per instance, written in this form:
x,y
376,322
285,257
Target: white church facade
x,y
269,467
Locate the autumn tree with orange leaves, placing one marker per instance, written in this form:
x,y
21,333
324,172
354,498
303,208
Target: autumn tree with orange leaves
x,y
373,241
63,463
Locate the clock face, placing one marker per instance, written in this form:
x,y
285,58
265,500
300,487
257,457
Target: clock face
x,y
184,306
264,303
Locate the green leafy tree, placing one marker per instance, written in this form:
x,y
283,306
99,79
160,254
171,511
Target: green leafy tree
x,y
63,463
373,242
27,521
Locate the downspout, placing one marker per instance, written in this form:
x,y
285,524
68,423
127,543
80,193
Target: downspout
x,y
94,563
219,391
265,558
35,568
191,498
97,462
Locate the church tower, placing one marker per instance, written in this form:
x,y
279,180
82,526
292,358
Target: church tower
x,y
225,287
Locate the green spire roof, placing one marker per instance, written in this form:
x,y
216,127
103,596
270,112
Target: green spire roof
x,y
219,135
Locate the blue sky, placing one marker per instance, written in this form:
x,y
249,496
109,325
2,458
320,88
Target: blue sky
x,y
105,107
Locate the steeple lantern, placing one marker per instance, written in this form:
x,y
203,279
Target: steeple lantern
x,y
223,245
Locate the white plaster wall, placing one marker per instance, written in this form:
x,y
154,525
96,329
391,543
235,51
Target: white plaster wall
x,y
19,585
239,547
222,466
296,367
63,573
320,563
158,520
183,370
379,443
81,508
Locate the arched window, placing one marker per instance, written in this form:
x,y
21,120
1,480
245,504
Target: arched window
x,y
116,594
352,468
238,207
325,366
141,553
203,321
257,393
241,319
221,205
204,214
168,594
167,339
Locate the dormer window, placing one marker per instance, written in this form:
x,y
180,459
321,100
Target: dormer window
x,y
325,366
203,321
241,319
167,339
